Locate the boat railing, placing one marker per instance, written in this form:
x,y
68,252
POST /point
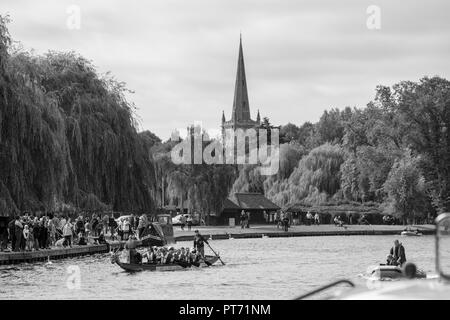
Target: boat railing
x,y
442,230
326,287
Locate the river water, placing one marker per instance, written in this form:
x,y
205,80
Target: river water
x,y
267,268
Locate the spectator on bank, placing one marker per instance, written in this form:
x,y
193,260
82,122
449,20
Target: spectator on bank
x,y
94,225
79,225
183,221
12,233
309,218
26,236
36,234
18,229
338,222
189,221
247,225
62,223
68,233
317,219
30,241
43,233
81,239
3,235
286,222
51,233
280,218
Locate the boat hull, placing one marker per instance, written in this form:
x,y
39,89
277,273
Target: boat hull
x,y
385,272
410,234
134,267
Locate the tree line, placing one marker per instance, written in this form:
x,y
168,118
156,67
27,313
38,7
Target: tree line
x,y
68,137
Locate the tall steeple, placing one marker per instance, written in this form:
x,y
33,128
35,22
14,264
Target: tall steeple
x,y
241,108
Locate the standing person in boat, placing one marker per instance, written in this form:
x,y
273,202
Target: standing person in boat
x,y
131,246
398,253
68,232
199,243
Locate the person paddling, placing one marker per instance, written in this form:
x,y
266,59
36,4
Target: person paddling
x,y
199,243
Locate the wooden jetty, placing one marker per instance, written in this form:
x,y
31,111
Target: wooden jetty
x,y
52,254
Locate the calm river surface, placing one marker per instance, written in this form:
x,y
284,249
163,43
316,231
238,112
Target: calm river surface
x,y
270,268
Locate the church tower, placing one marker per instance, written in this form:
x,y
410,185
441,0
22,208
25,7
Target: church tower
x,y
240,117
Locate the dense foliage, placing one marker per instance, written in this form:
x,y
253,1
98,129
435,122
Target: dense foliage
x,y
67,136
394,152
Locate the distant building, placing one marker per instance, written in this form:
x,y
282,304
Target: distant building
x,y
259,207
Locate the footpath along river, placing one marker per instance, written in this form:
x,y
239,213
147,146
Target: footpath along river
x,y
267,268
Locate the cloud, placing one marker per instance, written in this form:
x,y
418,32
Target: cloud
x,y
302,57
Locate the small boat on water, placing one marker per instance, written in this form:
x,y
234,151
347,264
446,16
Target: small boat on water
x,y
409,284
410,233
133,267
386,272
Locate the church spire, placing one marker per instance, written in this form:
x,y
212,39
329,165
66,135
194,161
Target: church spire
x,y
241,108
258,117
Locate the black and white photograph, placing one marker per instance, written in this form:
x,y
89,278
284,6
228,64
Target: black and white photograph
x,y
212,150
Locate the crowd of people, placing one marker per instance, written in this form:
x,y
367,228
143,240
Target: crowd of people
x,y
35,231
130,225
170,255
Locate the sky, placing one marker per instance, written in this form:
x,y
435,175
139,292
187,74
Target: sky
x,y
179,57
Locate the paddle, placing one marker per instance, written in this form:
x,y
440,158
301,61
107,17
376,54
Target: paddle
x,y
215,253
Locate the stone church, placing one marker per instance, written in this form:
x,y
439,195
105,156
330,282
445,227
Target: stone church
x,y
240,117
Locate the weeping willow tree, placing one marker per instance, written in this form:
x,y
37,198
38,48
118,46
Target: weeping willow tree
x,y
317,176
200,188
67,134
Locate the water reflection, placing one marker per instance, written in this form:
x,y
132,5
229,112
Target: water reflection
x,y
272,268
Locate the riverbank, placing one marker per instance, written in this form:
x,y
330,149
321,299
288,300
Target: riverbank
x,y
50,254
216,233
271,231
